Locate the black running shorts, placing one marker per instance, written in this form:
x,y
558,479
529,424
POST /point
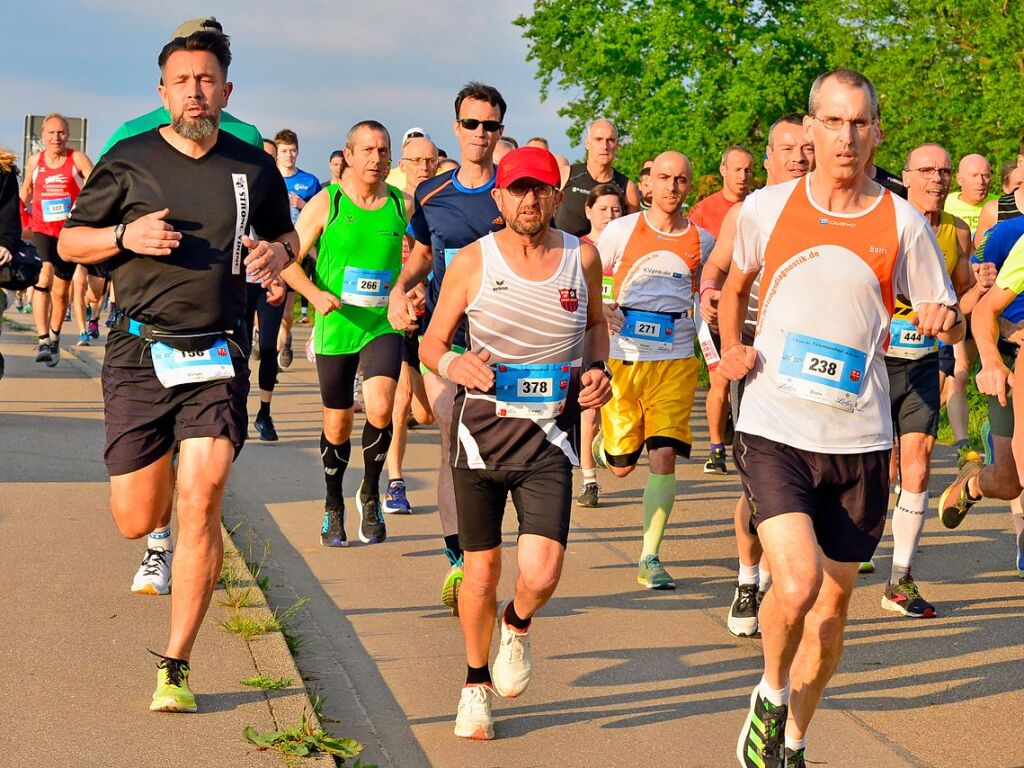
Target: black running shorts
x,y
914,394
46,246
541,495
947,360
381,356
845,495
144,419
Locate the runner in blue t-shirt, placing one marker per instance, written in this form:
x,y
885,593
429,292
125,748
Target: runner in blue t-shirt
x,y
451,211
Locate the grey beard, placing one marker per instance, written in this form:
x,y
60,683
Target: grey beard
x,y
528,230
195,130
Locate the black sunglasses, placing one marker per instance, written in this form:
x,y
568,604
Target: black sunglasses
x,y
470,124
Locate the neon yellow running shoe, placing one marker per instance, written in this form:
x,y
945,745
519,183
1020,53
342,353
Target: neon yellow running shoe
x,y
452,582
172,693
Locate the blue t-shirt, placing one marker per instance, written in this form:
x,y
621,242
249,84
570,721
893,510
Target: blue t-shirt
x,y
303,184
994,249
448,216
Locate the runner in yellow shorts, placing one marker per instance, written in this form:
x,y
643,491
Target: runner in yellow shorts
x,y
655,257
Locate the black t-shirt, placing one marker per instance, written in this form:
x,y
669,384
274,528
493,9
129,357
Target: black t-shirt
x,y
213,201
571,216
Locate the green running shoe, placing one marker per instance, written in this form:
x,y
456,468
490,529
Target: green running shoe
x,y
452,582
867,567
172,693
762,740
597,449
795,758
652,574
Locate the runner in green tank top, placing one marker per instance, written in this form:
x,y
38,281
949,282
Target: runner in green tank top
x,y
360,224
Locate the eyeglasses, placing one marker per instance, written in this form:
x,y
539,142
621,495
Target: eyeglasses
x,y
420,160
929,172
859,124
540,191
471,124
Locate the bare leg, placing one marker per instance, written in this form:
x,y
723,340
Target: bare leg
x,y
441,394
477,603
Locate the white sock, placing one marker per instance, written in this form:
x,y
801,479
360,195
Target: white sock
x,y
764,578
590,475
1017,516
794,744
748,574
907,524
160,539
776,697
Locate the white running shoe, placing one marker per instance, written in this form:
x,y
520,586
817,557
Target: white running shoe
x,y
474,720
154,575
512,664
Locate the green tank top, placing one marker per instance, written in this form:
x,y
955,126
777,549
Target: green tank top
x,y
359,258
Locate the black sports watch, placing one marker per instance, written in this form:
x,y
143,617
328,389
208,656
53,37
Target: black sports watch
x,y
119,235
291,254
602,366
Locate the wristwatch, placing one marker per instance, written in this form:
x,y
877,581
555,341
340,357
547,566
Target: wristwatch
x,y
602,366
119,235
291,254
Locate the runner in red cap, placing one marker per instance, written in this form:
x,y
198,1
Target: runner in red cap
x,y
536,357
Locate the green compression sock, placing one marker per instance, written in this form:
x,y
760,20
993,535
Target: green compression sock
x,y
659,494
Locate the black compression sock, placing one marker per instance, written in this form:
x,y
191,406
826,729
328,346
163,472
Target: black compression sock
x,y
265,411
376,442
478,675
513,619
451,542
335,458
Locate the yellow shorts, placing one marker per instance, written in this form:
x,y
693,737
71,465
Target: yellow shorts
x,y
650,405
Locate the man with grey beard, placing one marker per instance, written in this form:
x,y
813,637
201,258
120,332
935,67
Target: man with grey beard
x,y
168,211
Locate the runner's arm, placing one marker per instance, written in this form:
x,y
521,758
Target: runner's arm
x,y
26,185
401,308
716,268
986,220
309,227
595,387
82,163
632,197
969,289
985,325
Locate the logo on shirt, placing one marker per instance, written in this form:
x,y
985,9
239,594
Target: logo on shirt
x,y
499,285
877,249
240,186
498,221
837,223
568,299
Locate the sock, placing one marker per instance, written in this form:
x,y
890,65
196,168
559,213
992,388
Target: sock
x,y
659,495
590,475
776,697
376,442
451,542
764,578
44,339
160,539
478,675
335,459
55,335
716,446
264,409
907,524
513,619
749,574
794,744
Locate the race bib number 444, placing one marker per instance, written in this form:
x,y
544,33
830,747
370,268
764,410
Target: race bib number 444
x,y
822,371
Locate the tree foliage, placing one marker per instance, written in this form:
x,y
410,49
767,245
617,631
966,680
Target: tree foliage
x,y
698,75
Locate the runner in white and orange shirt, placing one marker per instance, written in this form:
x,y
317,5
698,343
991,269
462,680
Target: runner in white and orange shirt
x,y
815,428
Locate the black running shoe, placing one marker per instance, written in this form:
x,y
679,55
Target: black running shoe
x,y
43,352
742,620
265,426
589,495
762,739
371,528
715,465
795,758
332,532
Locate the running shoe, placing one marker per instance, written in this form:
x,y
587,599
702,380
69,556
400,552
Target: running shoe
x,y
395,500
513,662
715,465
154,574
795,758
111,315
452,582
954,503
371,527
83,339
19,301
986,440
906,598
172,693
304,318
597,449
284,356
742,620
867,567
762,740
27,308
54,353
589,495
332,531
43,354
265,426
255,351
474,719
1020,555
652,574
967,455
93,329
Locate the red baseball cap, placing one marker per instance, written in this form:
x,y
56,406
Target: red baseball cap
x,y
528,163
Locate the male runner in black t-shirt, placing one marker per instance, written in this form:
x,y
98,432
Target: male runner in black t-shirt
x,y
170,209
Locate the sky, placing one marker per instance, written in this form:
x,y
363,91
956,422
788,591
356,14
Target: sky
x,y
315,66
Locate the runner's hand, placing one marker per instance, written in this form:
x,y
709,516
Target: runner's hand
x,y
266,259
993,379
276,291
933,318
150,235
5,256
325,302
737,362
595,389
985,274
418,294
296,202
401,311
613,316
470,369
709,305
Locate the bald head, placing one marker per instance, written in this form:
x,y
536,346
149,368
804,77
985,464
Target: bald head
x,y
671,181
927,176
974,177
601,143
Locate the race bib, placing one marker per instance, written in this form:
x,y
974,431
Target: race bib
x,y
646,332
55,210
366,287
822,371
531,391
906,342
174,367
707,346
449,254
607,288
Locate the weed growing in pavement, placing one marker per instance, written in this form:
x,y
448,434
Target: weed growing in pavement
x,y
249,626
268,683
306,739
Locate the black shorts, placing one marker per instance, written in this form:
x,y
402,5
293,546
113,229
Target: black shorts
x,y
914,394
736,397
381,356
947,360
411,344
845,495
144,419
541,495
46,246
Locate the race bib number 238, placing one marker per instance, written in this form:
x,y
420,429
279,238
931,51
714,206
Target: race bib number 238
x,y
822,371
